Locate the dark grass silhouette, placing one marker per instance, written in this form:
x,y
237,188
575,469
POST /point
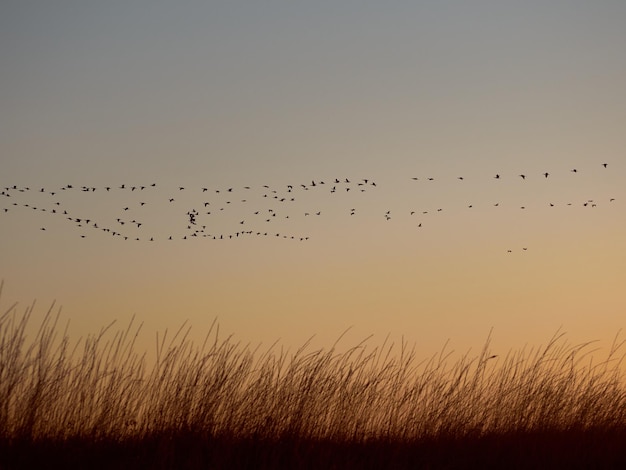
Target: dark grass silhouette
x,y
98,403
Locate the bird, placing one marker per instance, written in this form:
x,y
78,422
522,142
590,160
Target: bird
x,y
546,174
604,165
523,177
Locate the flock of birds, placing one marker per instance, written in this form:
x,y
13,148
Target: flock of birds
x,y
205,207
213,202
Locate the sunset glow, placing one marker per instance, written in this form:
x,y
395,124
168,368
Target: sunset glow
x,y
429,102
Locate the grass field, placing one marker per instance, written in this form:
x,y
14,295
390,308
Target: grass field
x,y
99,403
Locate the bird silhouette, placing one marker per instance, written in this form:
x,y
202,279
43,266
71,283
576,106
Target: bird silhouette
x,y
195,218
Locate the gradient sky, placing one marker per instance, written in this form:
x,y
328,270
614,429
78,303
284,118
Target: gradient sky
x,y
234,94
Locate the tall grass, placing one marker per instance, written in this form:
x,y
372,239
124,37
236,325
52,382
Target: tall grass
x,y
100,389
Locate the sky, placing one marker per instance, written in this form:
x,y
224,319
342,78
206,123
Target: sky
x,y
356,135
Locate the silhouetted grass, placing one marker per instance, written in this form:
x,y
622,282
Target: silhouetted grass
x,y
98,403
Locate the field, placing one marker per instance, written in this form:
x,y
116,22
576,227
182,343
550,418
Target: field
x,y
97,402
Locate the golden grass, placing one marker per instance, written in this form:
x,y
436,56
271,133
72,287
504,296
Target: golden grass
x,y
56,393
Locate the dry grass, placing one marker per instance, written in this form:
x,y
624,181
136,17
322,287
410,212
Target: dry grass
x,y
96,401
